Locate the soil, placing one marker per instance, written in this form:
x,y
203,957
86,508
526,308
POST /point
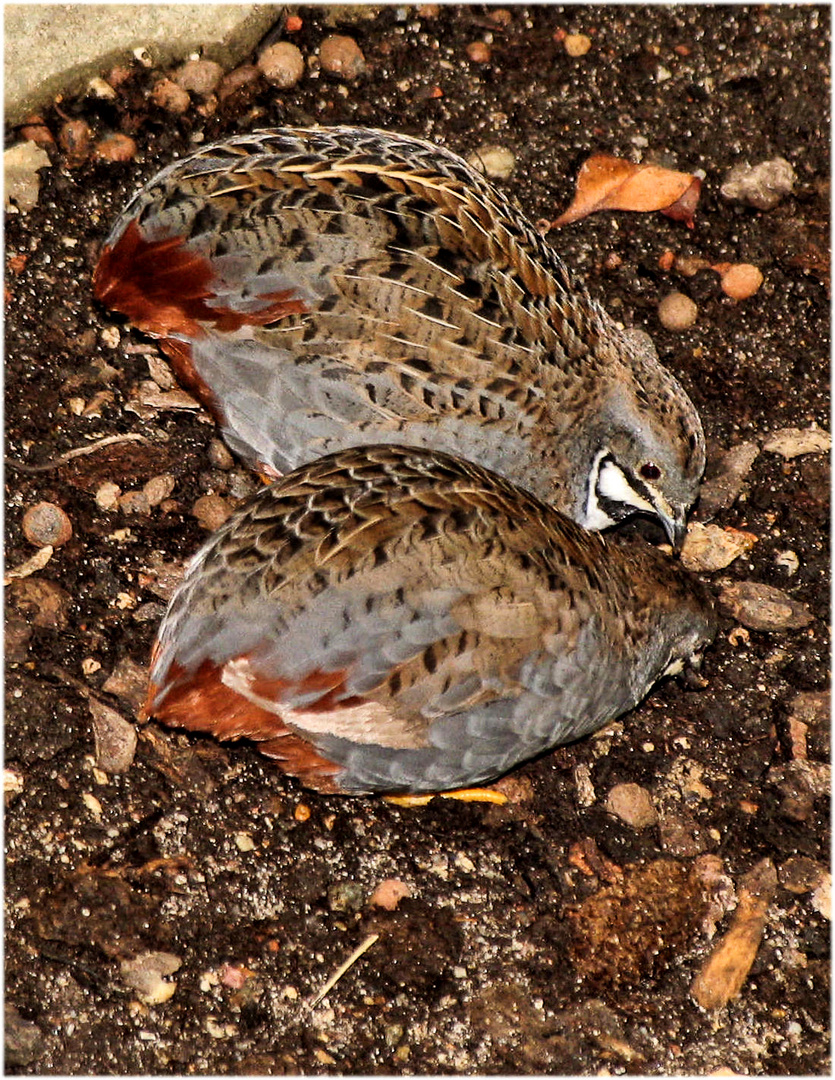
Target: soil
x,y
543,936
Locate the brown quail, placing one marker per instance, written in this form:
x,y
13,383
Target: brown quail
x,y
393,619
328,287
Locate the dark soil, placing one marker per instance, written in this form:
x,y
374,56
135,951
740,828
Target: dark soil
x,y
261,889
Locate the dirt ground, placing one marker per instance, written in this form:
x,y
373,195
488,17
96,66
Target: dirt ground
x,y
546,936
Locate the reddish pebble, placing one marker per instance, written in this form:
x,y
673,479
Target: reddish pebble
x,y
211,511
171,97
340,55
74,139
389,893
479,52
293,24
119,75
302,812
158,488
666,260
576,44
741,281
244,77
201,77
282,64
45,523
115,148
134,502
36,131
500,16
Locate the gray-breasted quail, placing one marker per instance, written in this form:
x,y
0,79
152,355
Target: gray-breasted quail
x,y
328,287
394,619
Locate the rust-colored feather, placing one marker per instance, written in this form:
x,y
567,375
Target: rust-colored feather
x,y
201,701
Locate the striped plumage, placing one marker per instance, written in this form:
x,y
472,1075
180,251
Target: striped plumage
x,y
328,287
395,619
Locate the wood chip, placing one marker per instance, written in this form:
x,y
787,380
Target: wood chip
x,y
709,547
762,607
115,738
727,967
37,562
792,442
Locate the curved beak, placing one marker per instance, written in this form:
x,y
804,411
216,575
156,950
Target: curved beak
x,y
674,520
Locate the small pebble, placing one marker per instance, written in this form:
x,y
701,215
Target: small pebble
x,y
340,55
576,44
282,64
728,472
241,484
115,147
145,975
107,496
74,139
389,893
632,804
45,523
99,88
110,337
479,52
161,373
128,682
41,602
500,16
220,456
345,896
741,281
494,161
677,312
293,24
158,488
115,738
761,186
211,511
201,77
17,633
21,183
134,502
171,97
245,77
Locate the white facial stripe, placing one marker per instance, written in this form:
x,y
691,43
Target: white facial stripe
x,y
613,484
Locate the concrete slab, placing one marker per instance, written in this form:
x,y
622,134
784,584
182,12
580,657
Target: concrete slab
x,y
57,48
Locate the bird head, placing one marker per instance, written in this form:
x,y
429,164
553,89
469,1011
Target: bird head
x,y
644,459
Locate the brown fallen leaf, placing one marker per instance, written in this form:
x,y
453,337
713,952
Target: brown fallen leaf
x,y
727,967
612,183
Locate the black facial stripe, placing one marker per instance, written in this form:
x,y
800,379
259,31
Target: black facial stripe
x,y
614,508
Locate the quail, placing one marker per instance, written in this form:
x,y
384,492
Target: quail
x,y
327,287
394,619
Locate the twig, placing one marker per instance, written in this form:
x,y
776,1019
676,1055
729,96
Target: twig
x,y
79,451
340,971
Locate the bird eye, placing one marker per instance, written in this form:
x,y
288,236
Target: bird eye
x,y
650,471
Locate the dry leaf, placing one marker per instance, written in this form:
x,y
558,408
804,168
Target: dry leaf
x,y
611,183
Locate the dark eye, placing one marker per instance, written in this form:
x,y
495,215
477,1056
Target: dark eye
x,y
650,471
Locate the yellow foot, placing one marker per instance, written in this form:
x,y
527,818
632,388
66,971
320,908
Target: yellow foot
x,y
463,794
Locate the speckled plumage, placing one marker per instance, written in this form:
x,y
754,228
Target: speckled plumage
x,y
328,287
394,619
